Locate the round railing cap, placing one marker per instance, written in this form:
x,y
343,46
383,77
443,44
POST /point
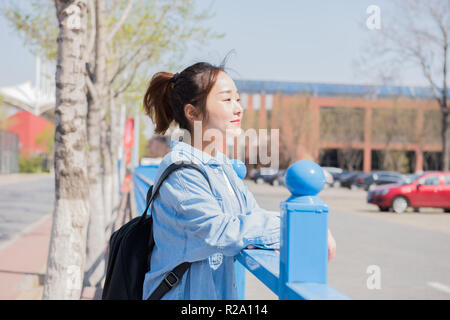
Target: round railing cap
x,y
239,167
305,178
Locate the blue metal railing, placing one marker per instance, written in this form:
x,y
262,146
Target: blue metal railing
x,y
300,270
142,180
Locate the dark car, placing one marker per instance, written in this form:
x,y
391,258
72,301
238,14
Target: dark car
x,y
377,178
347,180
337,177
430,189
251,174
282,179
265,175
335,173
277,179
359,180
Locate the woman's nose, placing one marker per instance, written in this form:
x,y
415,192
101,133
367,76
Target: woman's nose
x,y
237,108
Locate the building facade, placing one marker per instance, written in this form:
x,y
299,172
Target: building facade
x,y
350,126
29,127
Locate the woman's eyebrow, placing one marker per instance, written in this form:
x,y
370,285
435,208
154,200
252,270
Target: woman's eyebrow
x,y
228,91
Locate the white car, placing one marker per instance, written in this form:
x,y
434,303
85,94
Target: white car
x,y
329,180
333,169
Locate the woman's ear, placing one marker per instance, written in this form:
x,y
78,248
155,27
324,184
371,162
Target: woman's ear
x,y
191,113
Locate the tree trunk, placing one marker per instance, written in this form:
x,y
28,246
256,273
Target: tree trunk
x,y
115,140
95,266
107,171
65,265
446,139
120,151
96,240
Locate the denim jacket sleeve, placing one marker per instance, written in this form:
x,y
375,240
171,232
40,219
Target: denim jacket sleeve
x,y
254,208
208,230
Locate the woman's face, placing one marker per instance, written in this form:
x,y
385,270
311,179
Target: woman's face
x,y
223,107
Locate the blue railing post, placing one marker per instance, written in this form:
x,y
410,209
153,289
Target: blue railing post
x,y
304,228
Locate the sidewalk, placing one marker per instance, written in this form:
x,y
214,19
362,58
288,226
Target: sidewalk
x,y
19,177
23,263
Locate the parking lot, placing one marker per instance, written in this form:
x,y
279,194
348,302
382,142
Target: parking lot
x,y
410,249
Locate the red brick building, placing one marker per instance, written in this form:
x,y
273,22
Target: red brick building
x,y
318,121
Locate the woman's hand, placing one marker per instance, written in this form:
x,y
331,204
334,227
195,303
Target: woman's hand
x,y
331,246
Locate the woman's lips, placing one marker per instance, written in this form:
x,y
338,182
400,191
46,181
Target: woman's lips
x,y
236,121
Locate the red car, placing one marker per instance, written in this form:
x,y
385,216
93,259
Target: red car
x,y
430,189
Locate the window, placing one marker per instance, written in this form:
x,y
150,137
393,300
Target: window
x,y
244,100
431,181
256,101
269,102
447,179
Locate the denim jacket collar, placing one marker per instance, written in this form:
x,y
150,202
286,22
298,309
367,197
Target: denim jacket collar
x,y
203,157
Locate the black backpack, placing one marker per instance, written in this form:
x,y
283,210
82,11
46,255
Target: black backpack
x,y
130,250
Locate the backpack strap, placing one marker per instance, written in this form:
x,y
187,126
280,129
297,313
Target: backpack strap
x,y
174,276
153,191
170,280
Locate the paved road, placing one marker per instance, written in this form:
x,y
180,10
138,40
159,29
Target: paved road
x,y
410,252
24,199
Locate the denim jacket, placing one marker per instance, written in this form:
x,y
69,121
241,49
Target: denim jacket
x,y
207,227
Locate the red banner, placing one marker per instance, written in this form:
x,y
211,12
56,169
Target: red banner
x,y
128,135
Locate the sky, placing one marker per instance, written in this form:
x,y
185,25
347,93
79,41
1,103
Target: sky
x,y
289,40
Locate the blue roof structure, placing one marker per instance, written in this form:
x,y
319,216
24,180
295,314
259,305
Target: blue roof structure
x,y
332,90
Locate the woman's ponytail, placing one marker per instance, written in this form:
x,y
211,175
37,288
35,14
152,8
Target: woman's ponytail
x,y
168,94
158,101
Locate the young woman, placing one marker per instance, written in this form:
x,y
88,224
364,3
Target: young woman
x,y
193,222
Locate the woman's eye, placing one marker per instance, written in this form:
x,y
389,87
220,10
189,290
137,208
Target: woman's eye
x,y
229,99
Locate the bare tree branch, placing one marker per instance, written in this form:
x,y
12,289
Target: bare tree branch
x,y
91,88
418,33
119,23
91,42
132,58
131,78
123,66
